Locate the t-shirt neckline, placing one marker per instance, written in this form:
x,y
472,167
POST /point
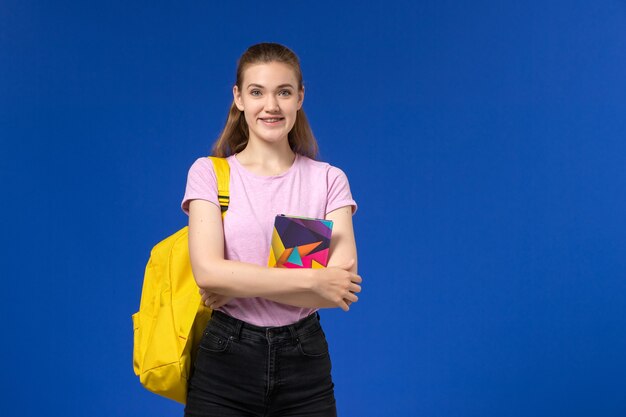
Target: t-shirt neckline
x,y
265,177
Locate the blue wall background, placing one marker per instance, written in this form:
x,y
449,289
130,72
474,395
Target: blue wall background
x,y
484,142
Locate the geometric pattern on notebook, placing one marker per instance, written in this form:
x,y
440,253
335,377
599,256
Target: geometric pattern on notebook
x,y
300,242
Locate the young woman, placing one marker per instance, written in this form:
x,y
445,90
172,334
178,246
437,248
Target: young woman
x,y
264,352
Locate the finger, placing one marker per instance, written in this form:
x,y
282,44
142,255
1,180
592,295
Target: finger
x,y
351,297
356,279
201,291
217,301
355,288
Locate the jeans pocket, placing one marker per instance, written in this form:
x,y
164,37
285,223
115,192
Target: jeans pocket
x,y
313,344
214,341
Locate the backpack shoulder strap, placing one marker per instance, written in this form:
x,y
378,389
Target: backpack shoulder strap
x,y
222,172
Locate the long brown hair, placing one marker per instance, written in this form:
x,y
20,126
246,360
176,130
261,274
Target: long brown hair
x,y
234,136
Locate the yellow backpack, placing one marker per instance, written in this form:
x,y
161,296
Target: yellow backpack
x,y
171,316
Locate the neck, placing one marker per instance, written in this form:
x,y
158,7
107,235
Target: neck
x,y
267,158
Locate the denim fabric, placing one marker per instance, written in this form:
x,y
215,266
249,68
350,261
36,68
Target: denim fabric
x,y
246,370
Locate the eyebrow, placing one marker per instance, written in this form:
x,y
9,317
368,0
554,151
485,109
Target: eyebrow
x,y
280,86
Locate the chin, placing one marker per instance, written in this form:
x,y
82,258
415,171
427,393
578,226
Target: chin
x,y
273,137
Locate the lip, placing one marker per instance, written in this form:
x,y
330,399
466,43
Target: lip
x,y
265,120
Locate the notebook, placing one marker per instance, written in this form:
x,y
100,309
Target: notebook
x,y
300,242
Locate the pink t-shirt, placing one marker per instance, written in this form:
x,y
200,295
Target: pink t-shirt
x,y
308,188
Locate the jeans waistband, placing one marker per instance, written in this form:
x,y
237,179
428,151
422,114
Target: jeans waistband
x,y
240,327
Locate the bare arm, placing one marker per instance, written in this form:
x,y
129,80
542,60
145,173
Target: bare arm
x,y
329,287
342,244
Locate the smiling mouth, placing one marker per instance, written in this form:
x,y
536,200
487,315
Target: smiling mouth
x,y
272,119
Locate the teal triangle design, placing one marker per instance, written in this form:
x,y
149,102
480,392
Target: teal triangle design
x,y
294,258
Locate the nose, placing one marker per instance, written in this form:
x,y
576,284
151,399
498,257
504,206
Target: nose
x,y
271,105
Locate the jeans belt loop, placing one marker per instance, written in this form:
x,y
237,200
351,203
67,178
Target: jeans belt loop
x,y
293,332
238,327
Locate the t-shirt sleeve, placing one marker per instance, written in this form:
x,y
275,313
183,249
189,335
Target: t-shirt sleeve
x,y
201,184
339,194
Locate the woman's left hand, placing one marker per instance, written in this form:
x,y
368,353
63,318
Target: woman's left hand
x,y
213,300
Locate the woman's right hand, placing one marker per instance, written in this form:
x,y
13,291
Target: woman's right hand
x,y
338,284
213,300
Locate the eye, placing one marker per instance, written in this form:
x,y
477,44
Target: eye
x,y
285,93
255,92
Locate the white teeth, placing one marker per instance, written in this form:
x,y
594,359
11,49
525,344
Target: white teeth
x,y
271,120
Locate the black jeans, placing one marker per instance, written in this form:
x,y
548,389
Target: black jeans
x,y
246,370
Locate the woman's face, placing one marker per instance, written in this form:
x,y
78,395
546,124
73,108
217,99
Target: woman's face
x,y
270,99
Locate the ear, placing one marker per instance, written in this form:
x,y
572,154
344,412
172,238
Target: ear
x,y
237,98
300,98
